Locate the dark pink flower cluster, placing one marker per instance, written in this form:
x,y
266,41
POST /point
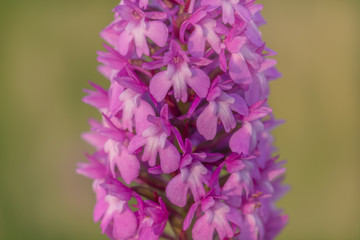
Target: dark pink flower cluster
x,y
183,148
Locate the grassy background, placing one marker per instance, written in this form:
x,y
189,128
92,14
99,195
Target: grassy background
x,y
47,55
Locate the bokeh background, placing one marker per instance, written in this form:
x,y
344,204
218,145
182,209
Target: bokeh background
x,y
48,53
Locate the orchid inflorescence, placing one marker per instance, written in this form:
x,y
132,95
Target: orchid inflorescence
x,y
189,82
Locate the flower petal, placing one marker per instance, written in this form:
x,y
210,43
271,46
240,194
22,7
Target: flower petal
x,y
169,158
207,122
240,140
196,44
157,32
128,166
176,191
199,82
202,230
160,85
124,42
125,224
238,69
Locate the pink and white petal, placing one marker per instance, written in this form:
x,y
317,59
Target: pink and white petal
x,y
160,85
157,32
228,12
202,230
150,151
240,140
238,69
169,158
125,224
125,39
196,44
176,191
140,42
128,166
207,122
179,86
199,82
226,116
211,37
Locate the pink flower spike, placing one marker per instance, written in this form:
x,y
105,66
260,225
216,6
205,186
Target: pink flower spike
x,y
185,126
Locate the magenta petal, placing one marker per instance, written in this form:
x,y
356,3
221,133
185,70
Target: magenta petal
x,y
207,122
125,224
240,140
176,191
238,69
199,82
202,230
160,85
169,158
196,42
157,32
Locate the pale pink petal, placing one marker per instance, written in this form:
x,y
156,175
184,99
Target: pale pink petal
x,y
243,12
135,143
235,45
202,230
196,44
228,12
207,122
226,116
169,158
125,224
128,166
160,85
176,191
141,114
238,69
124,42
199,82
239,106
157,32
240,140
140,42
179,86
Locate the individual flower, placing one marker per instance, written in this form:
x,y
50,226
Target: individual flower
x,y
178,75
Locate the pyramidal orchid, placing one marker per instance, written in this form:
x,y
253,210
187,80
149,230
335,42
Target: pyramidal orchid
x,y
183,147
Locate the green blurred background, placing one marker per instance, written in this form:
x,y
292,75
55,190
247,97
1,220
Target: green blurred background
x,y
47,55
